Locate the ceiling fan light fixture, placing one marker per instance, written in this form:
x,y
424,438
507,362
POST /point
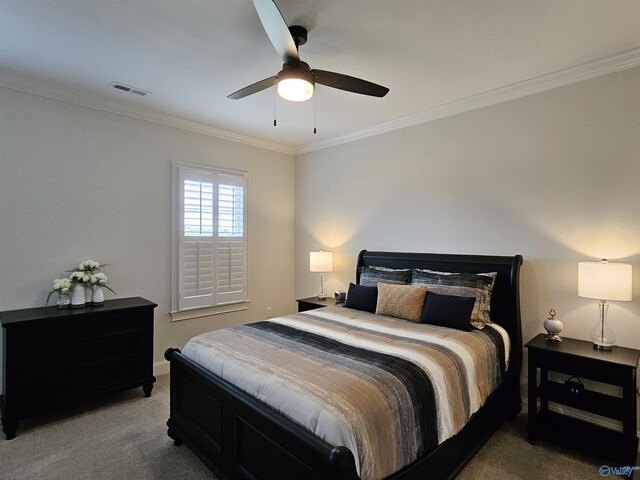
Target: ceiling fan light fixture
x,y
295,89
296,81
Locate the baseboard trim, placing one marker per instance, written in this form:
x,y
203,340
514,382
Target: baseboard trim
x,y
161,368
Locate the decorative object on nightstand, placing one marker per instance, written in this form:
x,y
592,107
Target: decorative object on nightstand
x,y
553,326
604,281
340,296
321,262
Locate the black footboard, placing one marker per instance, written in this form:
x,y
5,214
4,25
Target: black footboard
x,y
239,437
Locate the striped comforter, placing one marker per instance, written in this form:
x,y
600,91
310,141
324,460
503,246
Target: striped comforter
x,y
390,390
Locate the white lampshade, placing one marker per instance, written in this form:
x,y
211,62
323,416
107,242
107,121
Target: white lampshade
x,y
604,281
321,261
295,89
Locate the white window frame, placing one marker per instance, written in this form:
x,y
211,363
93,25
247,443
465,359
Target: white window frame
x,y
216,301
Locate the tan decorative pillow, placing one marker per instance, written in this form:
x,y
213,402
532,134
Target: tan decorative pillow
x,y
402,301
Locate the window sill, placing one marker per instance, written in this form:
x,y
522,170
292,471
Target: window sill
x,y
208,311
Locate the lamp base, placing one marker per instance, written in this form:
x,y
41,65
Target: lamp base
x,y
322,294
602,336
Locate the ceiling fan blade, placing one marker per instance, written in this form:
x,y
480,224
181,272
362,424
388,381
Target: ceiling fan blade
x,y
277,29
253,88
350,84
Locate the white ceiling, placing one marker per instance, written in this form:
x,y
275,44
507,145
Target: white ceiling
x,y
192,53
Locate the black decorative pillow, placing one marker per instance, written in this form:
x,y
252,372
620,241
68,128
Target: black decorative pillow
x,y
478,285
363,298
448,311
371,276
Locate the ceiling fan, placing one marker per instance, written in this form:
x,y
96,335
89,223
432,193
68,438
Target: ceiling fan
x,y
296,81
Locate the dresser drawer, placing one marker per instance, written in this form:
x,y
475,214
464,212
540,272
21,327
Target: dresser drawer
x,y
103,349
37,394
100,376
109,325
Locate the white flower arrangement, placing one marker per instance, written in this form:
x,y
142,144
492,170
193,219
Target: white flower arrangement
x,y
60,286
101,280
80,277
88,266
87,272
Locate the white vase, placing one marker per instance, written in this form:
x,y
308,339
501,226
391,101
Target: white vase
x,y
98,295
88,294
78,298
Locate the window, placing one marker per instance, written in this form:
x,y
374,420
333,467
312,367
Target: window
x,y
210,244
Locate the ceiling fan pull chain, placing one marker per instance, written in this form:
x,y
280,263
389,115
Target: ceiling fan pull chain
x,y
315,112
274,105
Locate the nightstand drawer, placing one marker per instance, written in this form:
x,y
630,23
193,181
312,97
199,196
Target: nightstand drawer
x,y
593,369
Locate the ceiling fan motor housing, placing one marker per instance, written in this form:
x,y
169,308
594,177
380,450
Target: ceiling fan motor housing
x,y
301,71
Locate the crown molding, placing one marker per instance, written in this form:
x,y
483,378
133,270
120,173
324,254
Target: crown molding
x,y
532,86
525,88
146,115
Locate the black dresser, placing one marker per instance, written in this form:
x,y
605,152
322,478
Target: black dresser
x,y
53,357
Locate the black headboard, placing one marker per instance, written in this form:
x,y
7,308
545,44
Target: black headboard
x,y
505,299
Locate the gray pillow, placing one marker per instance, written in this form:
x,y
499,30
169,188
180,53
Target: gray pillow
x,y
477,285
371,276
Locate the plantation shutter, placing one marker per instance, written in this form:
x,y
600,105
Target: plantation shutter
x,y
231,241
212,238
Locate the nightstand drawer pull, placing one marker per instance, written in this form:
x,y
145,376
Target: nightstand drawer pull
x,y
574,385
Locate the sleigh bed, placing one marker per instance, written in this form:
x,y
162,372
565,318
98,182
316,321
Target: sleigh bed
x,y
238,436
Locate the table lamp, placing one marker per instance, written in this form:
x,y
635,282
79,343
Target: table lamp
x,y
604,281
321,262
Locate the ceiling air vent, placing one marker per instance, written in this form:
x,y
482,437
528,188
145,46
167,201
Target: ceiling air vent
x,y
128,89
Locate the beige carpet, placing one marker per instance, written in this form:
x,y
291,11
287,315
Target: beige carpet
x,y
124,437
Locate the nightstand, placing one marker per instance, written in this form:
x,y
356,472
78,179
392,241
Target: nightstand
x,y
311,303
578,358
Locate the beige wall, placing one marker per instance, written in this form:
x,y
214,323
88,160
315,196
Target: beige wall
x,y
77,183
554,177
